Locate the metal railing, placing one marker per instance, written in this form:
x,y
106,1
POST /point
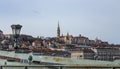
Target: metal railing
x,y
59,67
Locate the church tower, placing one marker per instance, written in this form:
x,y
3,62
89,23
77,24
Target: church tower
x,y
58,30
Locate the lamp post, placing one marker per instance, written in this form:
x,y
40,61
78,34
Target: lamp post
x,y
16,28
30,59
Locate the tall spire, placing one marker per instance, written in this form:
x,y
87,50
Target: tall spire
x,y
58,30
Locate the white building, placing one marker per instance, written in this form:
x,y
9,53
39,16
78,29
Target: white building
x,y
82,53
108,54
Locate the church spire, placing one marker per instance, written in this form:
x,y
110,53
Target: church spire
x,y
58,30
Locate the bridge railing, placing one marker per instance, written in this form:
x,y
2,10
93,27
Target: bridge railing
x,y
59,67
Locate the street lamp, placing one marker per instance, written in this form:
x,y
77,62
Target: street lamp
x,y
30,59
16,28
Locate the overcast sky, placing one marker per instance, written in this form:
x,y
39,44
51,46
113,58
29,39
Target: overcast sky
x,y
90,18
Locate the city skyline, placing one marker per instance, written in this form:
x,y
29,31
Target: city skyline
x,y
90,18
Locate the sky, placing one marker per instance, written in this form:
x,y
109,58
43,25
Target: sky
x,y
90,18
